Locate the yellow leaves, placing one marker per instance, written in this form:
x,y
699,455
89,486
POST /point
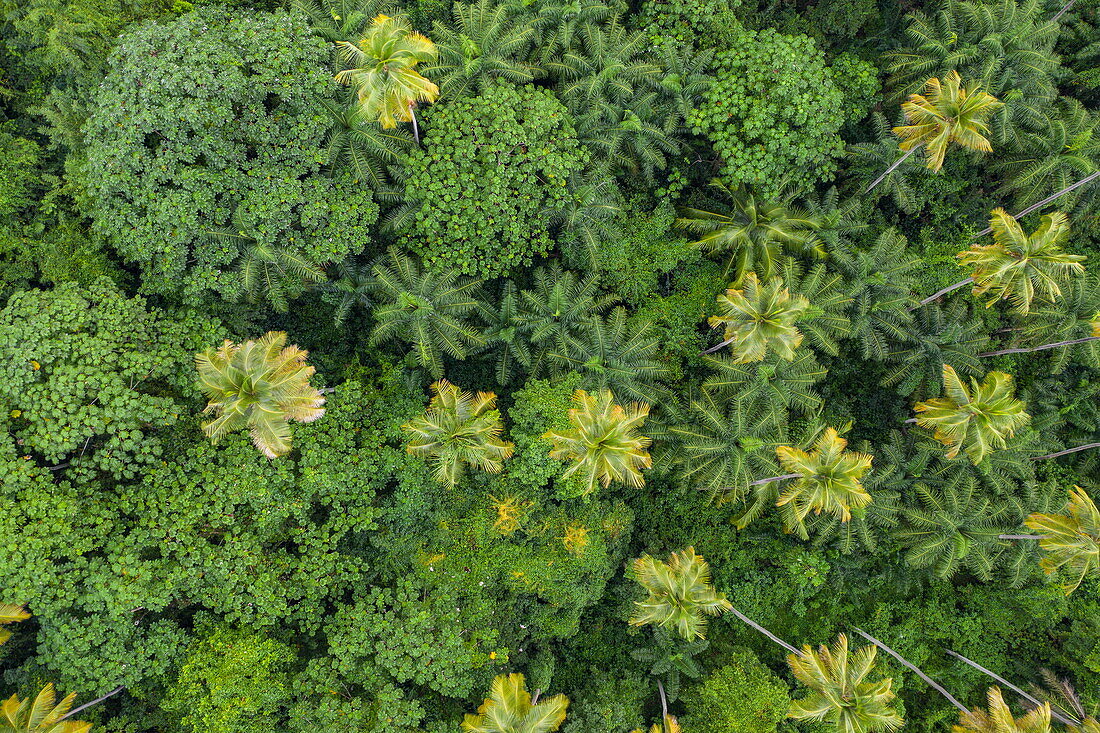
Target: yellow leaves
x,y
35,365
575,538
510,513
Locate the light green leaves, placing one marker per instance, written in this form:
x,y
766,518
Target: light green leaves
x,y
839,691
509,709
946,113
1071,540
998,718
603,444
976,419
459,429
828,479
40,715
259,385
681,594
759,316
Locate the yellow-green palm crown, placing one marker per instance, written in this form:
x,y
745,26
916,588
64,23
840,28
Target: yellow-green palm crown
x,y
1072,540
680,594
759,316
977,419
39,715
260,385
603,444
1019,267
9,614
459,429
946,113
839,693
668,724
508,709
829,479
384,70
998,718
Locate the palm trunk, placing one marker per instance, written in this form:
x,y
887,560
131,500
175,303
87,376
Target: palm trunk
x,y
911,421
765,632
1066,452
891,169
931,683
1064,10
712,349
1021,536
664,701
1048,199
1040,348
945,291
86,705
1014,688
535,697
416,128
784,477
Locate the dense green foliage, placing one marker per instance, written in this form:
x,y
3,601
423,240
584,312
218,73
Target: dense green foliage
x,y
744,379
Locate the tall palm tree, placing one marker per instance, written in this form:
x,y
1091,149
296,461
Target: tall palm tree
x,y
839,691
946,113
680,593
826,479
428,309
485,43
43,714
998,718
556,308
758,316
260,385
458,429
510,709
383,71
751,232
668,724
1072,319
1021,267
370,153
1071,540
603,443
613,353
9,614
610,63
977,419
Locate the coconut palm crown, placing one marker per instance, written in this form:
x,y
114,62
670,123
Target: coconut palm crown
x,y
458,429
1071,540
680,594
839,691
975,419
998,718
946,113
509,709
759,316
1021,267
603,443
260,385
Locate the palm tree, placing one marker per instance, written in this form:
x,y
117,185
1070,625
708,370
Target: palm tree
x,y
510,709
556,309
383,71
270,265
827,479
758,316
940,335
352,287
341,20
680,594
603,443
428,309
458,429
586,215
613,353
609,64
976,419
261,385
9,614
507,336
1072,319
485,43
559,24
769,388
370,153
751,231
1071,540
997,718
43,714
668,724
839,691
1021,267
635,138
946,113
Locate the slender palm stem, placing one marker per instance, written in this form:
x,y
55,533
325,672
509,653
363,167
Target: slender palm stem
x,y
945,291
1048,199
911,421
1021,536
416,128
712,349
1028,350
1064,10
931,683
664,700
1066,452
535,697
1014,688
86,705
764,631
784,477
891,169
